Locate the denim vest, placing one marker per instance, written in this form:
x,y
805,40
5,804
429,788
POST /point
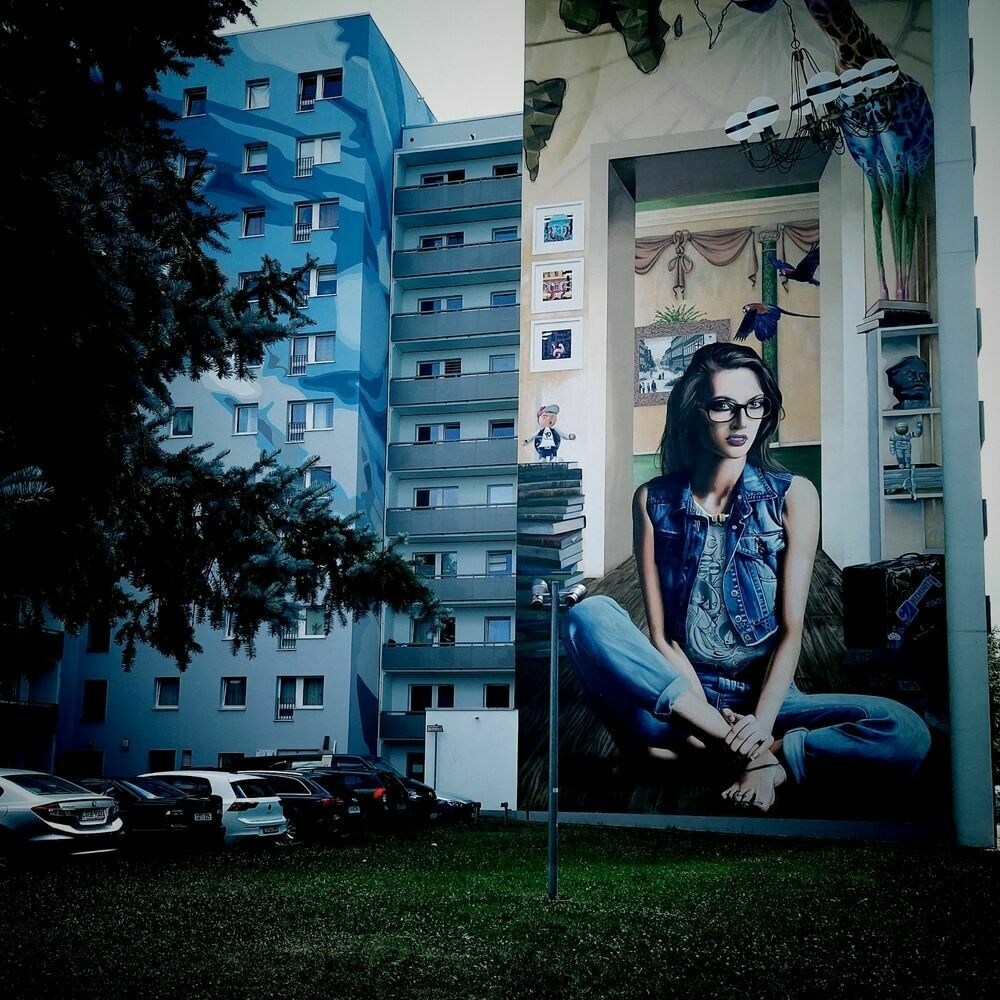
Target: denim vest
x,y
754,537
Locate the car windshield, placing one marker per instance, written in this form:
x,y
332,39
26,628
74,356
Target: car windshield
x,y
150,788
46,784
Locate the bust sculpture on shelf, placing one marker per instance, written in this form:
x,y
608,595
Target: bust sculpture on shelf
x,y
910,382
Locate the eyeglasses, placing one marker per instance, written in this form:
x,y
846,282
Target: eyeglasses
x,y
722,409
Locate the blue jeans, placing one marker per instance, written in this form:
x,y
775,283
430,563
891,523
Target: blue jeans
x,y
633,688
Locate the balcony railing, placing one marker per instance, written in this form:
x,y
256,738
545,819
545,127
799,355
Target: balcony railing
x,y
468,452
288,640
458,656
304,166
450,195
482,519
456,322
296,432
473,587
459,388
302,232
402,725
307,103
501,255
298,364
284,711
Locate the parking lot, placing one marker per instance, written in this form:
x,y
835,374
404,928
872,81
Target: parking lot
x,y
461,911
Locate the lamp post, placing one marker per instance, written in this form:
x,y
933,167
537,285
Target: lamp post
x,y
548,595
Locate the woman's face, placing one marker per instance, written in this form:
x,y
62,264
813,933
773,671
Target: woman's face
x,y
733,436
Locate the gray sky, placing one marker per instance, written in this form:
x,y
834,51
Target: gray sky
x,y
466,57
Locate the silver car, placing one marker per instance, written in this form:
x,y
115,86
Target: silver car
x,y
43,812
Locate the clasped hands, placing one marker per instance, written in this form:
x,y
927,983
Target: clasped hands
x,y
747,736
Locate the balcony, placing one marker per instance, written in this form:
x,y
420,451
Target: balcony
x,y
402,725
469,453
471,262
459,656
492,519
472,588
487,320
27,719
31,649
472,387
457,195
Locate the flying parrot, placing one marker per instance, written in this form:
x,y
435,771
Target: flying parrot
x,y
762,320
804,270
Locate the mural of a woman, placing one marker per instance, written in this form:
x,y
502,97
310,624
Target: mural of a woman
x,y
724,544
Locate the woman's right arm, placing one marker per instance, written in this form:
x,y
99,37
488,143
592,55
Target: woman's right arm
x,y
649,581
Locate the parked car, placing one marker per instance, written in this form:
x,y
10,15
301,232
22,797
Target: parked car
x,y
455,809
250,809
313,812
43,812
383,799
151,809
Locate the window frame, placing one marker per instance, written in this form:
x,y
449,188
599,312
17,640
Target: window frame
x,y
436,304
436,564
446,241
496,357
497,686
163,684
250,215
505,239
226,683
248,150
445,175
439,492
191,97
299,701
502,422
254,86
493,619
490,502
320,78
506,169
508,557
93,710
494,304
177,410
239,408
439,432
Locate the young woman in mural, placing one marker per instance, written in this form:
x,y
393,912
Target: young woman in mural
x,y
724,544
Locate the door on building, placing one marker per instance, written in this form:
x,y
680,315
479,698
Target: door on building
x,y
415,765
162,760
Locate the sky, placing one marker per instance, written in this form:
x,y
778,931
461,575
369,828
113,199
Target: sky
x,y
442,44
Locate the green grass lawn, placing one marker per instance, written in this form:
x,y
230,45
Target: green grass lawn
x,y
464,913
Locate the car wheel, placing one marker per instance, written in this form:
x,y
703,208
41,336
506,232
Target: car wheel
x,y
292,833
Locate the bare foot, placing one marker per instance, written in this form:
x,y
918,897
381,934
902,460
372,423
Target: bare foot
x,y
757,785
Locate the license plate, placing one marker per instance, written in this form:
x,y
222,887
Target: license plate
x,y
203,817
269,829
354,809
93,815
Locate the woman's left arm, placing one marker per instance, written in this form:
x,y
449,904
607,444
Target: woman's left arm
x,y
801,520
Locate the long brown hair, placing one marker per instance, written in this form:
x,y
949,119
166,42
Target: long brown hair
x,y
681,434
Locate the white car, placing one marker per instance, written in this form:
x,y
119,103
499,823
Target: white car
x,y
40,811
250,809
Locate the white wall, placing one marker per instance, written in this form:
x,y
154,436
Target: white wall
x,y
475,756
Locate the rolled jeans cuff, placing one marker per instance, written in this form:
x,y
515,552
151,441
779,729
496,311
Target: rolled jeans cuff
x,y
665,703
793,747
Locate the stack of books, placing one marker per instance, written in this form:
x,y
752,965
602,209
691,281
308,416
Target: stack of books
x,y
550,525
886,313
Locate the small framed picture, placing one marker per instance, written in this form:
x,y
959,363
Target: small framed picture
x,y
558,228
556,345
556,286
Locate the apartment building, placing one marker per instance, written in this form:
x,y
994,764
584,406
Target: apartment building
x,y
297,130
452,456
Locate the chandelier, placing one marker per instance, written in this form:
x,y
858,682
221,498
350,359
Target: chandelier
x,y
823,108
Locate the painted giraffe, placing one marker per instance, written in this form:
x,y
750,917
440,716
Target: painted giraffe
x,y
893,161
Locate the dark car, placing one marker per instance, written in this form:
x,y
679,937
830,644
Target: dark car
x,y
313,812
383,798
455,809
153,810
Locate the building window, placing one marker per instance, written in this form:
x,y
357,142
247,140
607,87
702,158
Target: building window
x,y
230,626
317,150
310,216
320,281
314,349
425,696
182,422
499,629
427,433
168,692
98,635
438,241
234,693
191,162
496,696
432,564
317,475
313,624
245,419
255,158
195,102
94,704
440,305
442,177
506,297
500,563
322,86
501,429
436,496
162,760
248,285
258,94
309,415
439,368
253,222
425,633
298,693
506,169
500,493
503,362
504,234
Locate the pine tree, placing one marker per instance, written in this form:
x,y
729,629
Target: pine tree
x,y
108,294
